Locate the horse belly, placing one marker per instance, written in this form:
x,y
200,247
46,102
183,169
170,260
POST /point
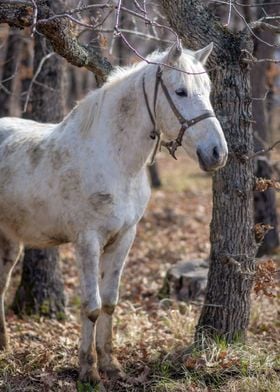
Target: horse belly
x,y
33,232
31,220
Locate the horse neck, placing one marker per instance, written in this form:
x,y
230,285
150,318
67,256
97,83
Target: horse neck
x,y
124,127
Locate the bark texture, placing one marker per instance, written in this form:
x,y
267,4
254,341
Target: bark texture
x,y
41,288
233,249
59,32
232,264
16,13
9,70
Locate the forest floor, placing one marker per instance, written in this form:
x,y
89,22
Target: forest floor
x,y
43,353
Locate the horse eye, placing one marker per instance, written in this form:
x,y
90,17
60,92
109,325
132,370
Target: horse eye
x,y
182,92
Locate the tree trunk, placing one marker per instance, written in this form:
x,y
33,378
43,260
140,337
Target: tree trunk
x,y
232,265
265,209
41,288
10,67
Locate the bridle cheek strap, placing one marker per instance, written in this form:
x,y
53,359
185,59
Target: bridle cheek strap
x,y
155,133
174,144
185,124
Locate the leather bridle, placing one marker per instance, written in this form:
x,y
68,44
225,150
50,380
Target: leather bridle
x,y
185,124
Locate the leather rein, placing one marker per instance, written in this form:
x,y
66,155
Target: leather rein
x,y
185,124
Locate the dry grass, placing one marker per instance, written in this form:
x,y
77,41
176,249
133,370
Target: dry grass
x,y
150,332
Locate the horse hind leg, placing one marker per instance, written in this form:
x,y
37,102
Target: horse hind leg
x,y
9,254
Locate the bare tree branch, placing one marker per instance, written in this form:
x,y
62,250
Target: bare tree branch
x,y
35,16
17,13
263,25
263,151
59,32
250,59
137,33
249,26
61,36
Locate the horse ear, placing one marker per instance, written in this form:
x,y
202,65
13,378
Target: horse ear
x,y
203,54
174,53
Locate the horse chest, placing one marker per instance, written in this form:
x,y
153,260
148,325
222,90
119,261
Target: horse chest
x,y
126,207
130,211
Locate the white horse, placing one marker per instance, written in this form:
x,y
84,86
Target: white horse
x,y
84,180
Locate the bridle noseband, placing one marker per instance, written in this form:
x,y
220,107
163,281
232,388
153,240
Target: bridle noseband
x,y
185,124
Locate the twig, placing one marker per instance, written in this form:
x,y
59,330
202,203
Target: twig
x,y
202,304
89,7
75,20
256,5
139,7
118,8
254,60
262,24
35,16
45,58
103,20
10,77
137,33
116,28
252,31
261,99
229,13
138,54
262,152
2,87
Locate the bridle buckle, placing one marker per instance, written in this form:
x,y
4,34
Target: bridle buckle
x,y
171,147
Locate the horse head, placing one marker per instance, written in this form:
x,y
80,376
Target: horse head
x,y
183,109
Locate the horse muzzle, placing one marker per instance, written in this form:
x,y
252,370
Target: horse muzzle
x,y
212,160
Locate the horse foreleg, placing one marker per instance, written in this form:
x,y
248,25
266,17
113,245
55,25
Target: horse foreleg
x,y
88,253
9,254
112,262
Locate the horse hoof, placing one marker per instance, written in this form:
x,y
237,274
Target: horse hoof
x,y
115,374
90,376
113,369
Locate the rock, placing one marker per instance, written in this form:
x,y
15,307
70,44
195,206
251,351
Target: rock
x,y
186,281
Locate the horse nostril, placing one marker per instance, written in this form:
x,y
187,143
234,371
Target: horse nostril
x,y
216,153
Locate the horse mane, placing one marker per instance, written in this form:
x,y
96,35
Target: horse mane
x,y
84,111
87,109
186,62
